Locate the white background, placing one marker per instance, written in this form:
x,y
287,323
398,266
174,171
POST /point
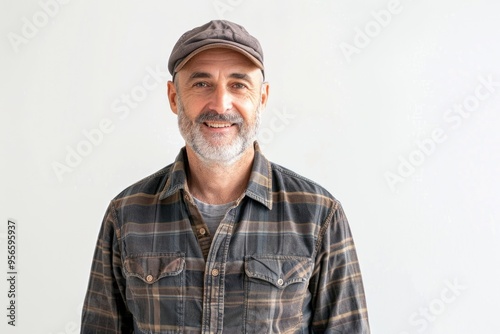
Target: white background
x,y
428,242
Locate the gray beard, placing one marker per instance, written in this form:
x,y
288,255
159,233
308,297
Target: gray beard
x,y
215,151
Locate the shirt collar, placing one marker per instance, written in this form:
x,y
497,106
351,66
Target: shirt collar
x,y
259,186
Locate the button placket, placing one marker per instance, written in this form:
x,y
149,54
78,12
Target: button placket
x,y
215,275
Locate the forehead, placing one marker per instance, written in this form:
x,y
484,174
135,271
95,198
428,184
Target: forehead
x,y
218,59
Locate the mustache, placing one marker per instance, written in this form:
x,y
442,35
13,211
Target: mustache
x,y
213,116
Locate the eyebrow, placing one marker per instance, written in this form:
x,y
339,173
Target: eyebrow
x,y
241,76
197,75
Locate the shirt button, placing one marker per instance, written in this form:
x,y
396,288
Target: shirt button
x,y
202,231
149,278
215,272
280,282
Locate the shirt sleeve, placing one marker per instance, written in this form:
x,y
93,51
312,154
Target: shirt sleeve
x,y
338,297
104,308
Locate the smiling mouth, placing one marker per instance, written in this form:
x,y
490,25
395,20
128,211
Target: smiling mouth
x,y
218,125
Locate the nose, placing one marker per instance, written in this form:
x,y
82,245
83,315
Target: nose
x,y
221,100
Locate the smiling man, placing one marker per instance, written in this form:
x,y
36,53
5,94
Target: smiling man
x,y
222,240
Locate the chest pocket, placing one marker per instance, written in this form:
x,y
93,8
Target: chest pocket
x,y
275,291
155,291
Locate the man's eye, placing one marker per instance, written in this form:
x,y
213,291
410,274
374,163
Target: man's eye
x,y
239,85
200,84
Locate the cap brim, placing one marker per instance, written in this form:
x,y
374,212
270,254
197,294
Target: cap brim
x,y
218,46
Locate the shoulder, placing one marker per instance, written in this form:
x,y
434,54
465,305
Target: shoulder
x,y
149,186
286,180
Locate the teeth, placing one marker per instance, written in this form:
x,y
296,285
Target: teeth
x,y
218,125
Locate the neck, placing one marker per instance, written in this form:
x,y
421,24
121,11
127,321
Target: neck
x,y
215,183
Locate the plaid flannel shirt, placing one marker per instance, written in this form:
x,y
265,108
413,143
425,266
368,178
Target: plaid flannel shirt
x,y
282,260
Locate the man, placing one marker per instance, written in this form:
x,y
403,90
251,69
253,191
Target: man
x,y
222,240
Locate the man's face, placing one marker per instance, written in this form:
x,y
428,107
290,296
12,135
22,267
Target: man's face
x,y
218,96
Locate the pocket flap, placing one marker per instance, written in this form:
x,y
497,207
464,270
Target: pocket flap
x,y
280,271
151,267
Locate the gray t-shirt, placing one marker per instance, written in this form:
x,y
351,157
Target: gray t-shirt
x,y
212,214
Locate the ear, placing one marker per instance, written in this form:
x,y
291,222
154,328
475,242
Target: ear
x,y
172,96
264,94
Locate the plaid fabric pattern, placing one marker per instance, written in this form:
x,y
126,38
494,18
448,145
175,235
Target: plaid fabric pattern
x,y
282,260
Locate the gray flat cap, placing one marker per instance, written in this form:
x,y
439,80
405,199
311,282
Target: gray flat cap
x,y
215,34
